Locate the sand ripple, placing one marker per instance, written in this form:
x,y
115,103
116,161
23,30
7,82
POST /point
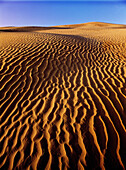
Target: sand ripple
x,y
63,102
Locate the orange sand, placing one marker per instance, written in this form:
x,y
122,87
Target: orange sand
x,y
63,97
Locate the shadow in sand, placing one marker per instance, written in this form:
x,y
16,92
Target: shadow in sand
x,y
29,29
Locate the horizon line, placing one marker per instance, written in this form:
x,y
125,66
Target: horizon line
x,y
63,24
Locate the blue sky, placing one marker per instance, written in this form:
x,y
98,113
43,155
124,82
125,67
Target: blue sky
x,y
54,13
62,0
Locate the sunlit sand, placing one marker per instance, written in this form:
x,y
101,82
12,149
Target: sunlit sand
x,y
63,97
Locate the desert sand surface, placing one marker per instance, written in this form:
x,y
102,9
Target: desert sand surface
x,y
63,97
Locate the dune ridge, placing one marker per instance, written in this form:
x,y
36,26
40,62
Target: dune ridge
x,y
63,98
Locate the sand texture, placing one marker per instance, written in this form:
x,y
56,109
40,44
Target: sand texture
x,y
63,97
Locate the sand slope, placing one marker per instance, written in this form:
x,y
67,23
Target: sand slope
x,y
63,97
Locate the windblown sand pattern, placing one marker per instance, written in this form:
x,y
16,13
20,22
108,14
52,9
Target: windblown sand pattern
x,y
63,97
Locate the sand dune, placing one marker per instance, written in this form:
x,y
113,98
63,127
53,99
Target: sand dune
x,y
63,97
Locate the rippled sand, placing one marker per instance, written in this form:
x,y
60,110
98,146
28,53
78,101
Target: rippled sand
x,y
63,97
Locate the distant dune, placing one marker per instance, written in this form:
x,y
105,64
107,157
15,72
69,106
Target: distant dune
x,y
63,97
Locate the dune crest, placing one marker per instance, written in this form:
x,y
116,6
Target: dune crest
x,y
63,97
